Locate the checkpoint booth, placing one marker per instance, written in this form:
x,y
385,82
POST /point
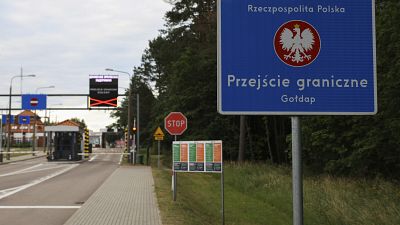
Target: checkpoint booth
x,y
65,142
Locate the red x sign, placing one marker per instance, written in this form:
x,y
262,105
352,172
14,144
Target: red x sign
x,y
109,102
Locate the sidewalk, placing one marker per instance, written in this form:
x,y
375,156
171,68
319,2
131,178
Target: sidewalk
x,y
22,157
127,197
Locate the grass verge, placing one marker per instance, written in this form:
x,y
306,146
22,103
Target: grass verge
x,y
261,194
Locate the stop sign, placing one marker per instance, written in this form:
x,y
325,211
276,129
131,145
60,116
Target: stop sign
x,y
175,123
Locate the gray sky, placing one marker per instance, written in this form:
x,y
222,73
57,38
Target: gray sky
x,y
63,41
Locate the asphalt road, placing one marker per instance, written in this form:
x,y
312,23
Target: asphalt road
x,y
37,192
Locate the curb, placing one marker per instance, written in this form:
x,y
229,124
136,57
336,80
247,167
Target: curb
x,y
4,163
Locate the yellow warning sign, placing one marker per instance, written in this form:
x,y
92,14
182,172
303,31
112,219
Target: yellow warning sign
x,y
158,132
158,135
159,138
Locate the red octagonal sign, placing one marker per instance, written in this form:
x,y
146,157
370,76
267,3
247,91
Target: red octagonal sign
x,y
175,123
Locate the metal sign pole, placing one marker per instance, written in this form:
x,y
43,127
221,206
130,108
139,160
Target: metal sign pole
x,y
34,135
297,172
222,196
174,182
137,128
158,159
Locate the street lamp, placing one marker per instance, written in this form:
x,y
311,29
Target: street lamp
x,y
9,116
51,86
133,157
34,123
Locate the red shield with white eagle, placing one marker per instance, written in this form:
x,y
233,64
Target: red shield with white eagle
x,y
297,43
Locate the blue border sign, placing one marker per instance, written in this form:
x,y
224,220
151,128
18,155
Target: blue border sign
x,y
4,118
34,102
296,57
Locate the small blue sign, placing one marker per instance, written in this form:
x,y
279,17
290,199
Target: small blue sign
x,y
34,102
4,118
24,119
296,57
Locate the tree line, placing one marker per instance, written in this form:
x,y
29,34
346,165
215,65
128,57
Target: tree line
x,y
178,72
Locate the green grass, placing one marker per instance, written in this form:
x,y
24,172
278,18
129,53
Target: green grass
x,y
261,194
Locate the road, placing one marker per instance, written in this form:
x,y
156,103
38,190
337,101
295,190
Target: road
x,y
38,192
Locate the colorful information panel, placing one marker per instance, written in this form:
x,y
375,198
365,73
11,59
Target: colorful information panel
x,y
197,156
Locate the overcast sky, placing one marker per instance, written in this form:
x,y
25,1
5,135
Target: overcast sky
x,y
63,41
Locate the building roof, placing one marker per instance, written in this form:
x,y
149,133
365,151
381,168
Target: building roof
x,y
27,113
68,123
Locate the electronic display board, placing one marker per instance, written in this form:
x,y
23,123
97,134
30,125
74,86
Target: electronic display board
x,y
103,90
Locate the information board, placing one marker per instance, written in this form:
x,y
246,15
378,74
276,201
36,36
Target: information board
x,y
197,156
296,57
103,90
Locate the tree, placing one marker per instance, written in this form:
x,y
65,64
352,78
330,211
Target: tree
x,y
367,145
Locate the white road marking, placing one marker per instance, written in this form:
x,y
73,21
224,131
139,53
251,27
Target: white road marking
x,y
92,158
120,159
22,163
20,171
11,191
40,207
37,170
8,190
28,170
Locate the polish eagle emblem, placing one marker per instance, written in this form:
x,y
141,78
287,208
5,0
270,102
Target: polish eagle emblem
x,y
297,43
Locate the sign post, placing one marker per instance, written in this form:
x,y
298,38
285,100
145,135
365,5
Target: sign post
x,y
287,57
158,136
175,123
199,157
297,172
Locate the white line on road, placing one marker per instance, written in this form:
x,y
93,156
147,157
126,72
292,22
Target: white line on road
x,y
120,159
11,191
94,157
20,171
40,207
42,169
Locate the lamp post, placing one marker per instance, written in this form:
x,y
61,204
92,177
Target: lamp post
x,y
34,122
133,156
9,112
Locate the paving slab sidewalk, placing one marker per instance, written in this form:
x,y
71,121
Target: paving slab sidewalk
x,y
127,197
